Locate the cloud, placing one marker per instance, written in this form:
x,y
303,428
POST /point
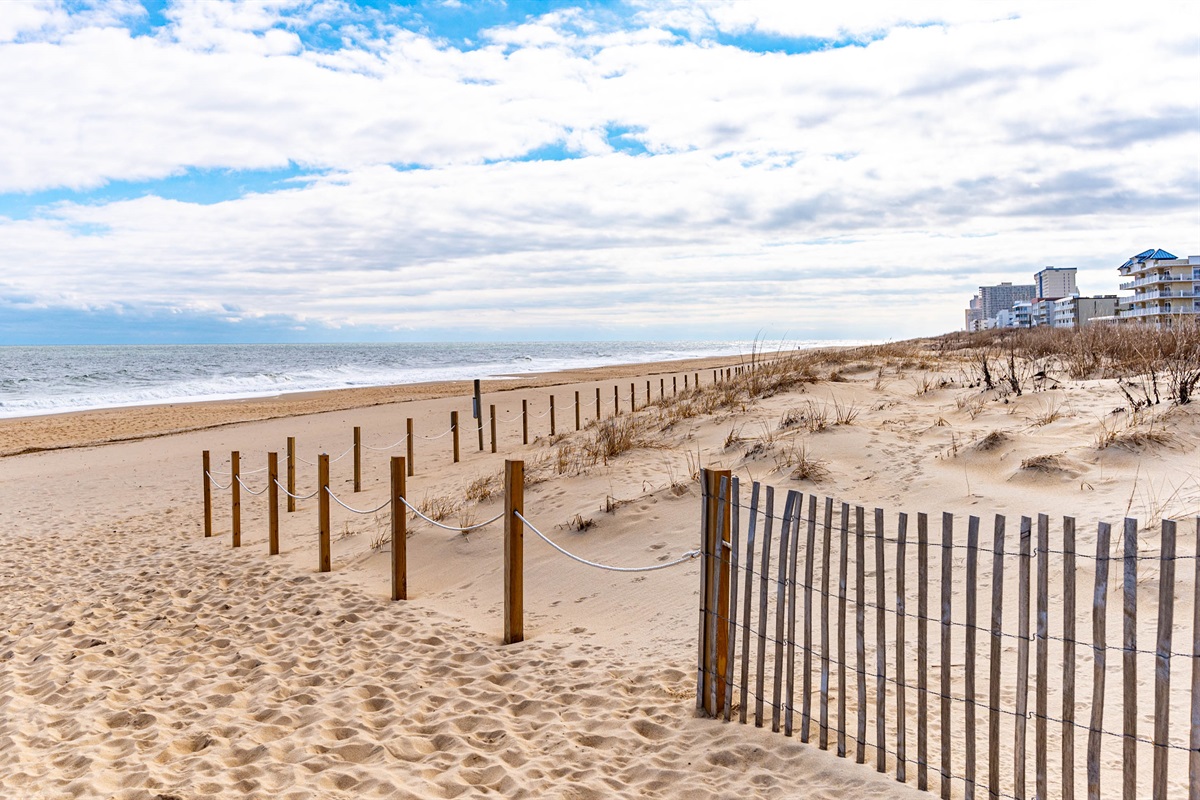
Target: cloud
x,y
894,155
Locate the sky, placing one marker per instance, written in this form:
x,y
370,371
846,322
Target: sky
x,y
326,170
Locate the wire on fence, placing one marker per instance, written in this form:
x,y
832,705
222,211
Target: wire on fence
x,y
458,529
688,556
338,500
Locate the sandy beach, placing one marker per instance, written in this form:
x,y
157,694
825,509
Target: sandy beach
x,y
143,660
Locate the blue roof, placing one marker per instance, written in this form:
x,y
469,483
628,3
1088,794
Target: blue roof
x,y
1148,255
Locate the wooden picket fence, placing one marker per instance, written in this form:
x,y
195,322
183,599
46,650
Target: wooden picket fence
x,y
765,576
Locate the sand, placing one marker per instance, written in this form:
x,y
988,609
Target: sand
x,y
142,660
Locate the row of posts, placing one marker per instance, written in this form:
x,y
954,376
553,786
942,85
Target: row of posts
x,y
514,529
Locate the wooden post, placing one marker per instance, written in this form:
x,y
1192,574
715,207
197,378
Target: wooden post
x,y
235,490
994,660
860,632
597,404
514,552
785,532
1194,737
1129,666
880,648
843,575
922,651
1022,661
748,598
291,473
763,585
647,392
969,637
205,463
735,513
1041,707
685,382
809,568
944,671
399,530
901,655
409,439
524,422
454,433
273,504
632,399
1162,658
577,426
697,380
1099,658
1068,677
616,402
552,415
826,557
357,458
324,558
718,491
477,407
492,418
674,385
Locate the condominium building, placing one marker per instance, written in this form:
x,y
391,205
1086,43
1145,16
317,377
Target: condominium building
x,y
1055,282
995,299
1165,288
1075,311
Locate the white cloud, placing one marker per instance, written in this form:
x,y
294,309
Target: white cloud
x,y
905,169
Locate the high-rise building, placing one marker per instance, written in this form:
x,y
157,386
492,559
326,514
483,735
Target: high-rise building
x,y
1055,282
995,299
1164,287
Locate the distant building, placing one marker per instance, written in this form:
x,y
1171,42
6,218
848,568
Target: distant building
x,y
1165,288
1054,282
1075,311
995,299
974,315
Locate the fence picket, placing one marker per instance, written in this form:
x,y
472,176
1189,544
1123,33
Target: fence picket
x,y
785,532
762,605
1162,658
880,649
793,557
749,592
1068,698
735,515
809,556
922,651
1043,672
901,655
860,633
842,580
1129,666
994,659
1022,660
1194,736
944,671
969,645
1099,652
827,542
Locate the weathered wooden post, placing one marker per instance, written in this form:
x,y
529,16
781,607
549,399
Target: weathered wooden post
x,y
577,426
454,433
647,392
632,399
597,404
324,558
477,407
408,438
291,473
524,422
674,385
714,591
492,415
514,554
357,458
616,401
551,415
205,462
235,489
273,504
399,531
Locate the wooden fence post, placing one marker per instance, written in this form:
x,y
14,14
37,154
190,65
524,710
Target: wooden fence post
x,y
662,388
552,431
1041,707
1099,658
647,392
410,445
785,533
843,574
826,558
880,648
399,530
697,381
922,651
685,382
1019,749
810,555
273,504
291,473
901,655
205,462
1068,679
1162,658
597,404
994,658
577,425
235,489
454,433
524,422
735,504
1129,666
478,409
1194,737
674,385
492,418
324,558
357,458
616,401
715,599
860,633
632,399
969,639
748,598
763,586
514,553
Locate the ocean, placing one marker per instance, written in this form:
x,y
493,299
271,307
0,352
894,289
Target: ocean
x,y
50,380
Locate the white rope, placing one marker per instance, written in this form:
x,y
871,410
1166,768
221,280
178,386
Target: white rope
x,y
338,500
542,416
688,556
467,529
248,489
302,461
214,483
345,453
440,435
389,447
296,496
513,418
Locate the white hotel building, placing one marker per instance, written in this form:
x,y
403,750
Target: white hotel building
x,y
1165,288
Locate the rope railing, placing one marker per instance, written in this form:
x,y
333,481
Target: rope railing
x,y
447,432
345,453
248,489
338,500
283,489
214,483
458,529
688,556
393,446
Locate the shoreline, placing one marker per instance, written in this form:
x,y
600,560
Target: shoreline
x,y
96,427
